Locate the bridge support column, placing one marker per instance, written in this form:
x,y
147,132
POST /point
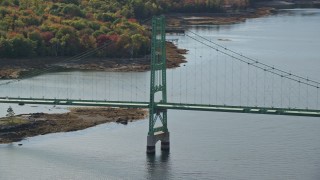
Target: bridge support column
x,y
152,140
165,142
158,86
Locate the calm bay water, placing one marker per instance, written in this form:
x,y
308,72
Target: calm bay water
x,y
204,145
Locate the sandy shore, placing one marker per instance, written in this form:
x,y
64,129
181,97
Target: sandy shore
x,y
20,127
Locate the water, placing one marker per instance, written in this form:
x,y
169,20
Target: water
x,y
204,145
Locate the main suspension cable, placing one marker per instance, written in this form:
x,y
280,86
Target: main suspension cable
x,y
255,60
255,64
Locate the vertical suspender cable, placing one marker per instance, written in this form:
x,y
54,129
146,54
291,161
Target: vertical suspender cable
x,y
131,74
71,85
109,88
225,82
32,86
122,88
281,91
299,98
289,94
232,101
105,85
131,87
8,90
96,81
172,84
118,90
42,84
186,78
217,68
256,99
317,97
264,88
92,86
29,87
272,89
180,86
195,76
240,84
201,82
55,87
210,75
68,85
83,87
307,94
145,87
248,83
60,81
136,86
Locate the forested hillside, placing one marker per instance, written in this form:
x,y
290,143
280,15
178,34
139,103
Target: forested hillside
x,y
30,28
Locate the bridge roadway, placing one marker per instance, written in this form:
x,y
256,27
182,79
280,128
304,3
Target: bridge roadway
x,y
164,106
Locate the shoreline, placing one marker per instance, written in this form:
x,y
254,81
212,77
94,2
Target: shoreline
x,y
23,126
17,68
175,57
288,4
193,19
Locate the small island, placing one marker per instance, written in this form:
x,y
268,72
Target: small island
x,y
16,128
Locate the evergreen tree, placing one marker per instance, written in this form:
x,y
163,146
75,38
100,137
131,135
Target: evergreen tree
x,y
10,113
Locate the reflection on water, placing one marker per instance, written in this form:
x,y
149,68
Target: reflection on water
x,y
158,166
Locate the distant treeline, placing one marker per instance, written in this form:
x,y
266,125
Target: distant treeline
x,y
67,27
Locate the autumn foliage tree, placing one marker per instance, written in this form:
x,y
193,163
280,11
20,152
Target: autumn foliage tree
x,y
67,27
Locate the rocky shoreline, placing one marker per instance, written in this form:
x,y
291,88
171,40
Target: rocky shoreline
x,y
19,127
280,4
175,57
184,20
19,68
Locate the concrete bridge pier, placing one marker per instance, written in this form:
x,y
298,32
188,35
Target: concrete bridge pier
x,y
152,140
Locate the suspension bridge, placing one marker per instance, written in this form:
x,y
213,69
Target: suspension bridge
x,y
226,81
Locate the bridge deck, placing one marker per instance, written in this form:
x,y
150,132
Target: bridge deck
x,y
196,107
242,109
73,102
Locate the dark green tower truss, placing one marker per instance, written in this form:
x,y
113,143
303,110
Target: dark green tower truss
x,y
158,86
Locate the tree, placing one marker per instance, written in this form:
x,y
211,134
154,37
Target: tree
x,y
5,48
66,27
109,50
87,42
72,10
10,113
138,43
76,2
22,47
35,36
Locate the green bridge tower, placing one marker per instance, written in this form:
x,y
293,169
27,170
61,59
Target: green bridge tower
x,y
158,88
